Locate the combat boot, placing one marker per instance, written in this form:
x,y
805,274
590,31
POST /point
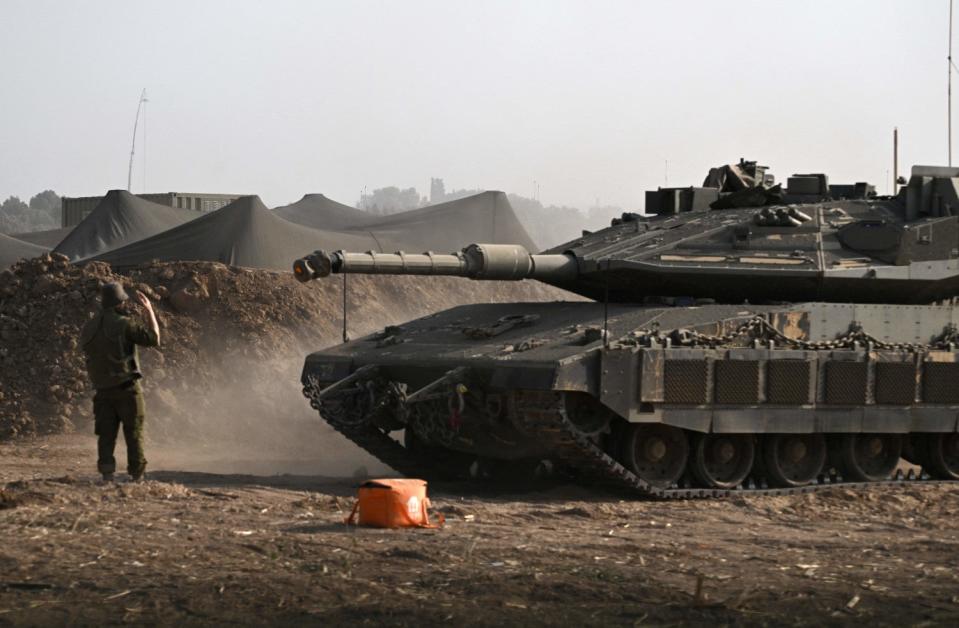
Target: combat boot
x,y
107,478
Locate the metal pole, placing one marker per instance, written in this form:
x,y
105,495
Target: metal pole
x,y
133,144
949,86
606,308
895,160
346,335
145,142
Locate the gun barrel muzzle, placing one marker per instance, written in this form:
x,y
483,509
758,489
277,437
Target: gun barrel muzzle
x,y
313,266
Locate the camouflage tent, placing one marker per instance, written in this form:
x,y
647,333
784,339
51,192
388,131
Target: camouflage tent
x,y
319,212
48,239
244,233
119,219
487,217
12,250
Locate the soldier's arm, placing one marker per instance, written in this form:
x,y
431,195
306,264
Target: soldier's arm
x,y
145,335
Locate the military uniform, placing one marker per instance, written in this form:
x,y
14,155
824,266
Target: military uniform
x,y
110,342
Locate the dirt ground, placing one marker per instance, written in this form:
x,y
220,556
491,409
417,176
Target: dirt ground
x,y
194,546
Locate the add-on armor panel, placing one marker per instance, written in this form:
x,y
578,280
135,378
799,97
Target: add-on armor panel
x,y
895,383
737,381
685,381
846,382
940,382
787,382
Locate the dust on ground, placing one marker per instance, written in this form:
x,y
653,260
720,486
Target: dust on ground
x,y
209,548
233,339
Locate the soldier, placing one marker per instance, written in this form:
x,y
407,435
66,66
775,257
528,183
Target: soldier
x,y
110,342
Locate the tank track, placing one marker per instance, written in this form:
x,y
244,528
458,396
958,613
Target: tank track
x,y
376,441
380,445
542,414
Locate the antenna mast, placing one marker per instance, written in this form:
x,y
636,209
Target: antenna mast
x,y
133,145
145,101
895,160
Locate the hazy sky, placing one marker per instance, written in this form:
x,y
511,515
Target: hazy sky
x,y
589,99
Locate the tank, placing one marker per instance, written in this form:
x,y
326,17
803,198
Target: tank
x,y
740,336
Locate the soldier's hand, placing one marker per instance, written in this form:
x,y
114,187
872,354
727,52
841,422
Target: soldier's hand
x,y
151,315
143,300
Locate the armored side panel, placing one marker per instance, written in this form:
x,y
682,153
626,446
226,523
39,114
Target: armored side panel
x,y
847,192
893,381
816,185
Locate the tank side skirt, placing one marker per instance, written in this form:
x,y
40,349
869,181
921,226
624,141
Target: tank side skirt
x,y
754,379
543,414
795,420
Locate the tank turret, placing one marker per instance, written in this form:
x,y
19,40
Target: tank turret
x,y
809,244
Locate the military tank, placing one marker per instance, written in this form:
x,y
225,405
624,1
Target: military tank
x,y
741,336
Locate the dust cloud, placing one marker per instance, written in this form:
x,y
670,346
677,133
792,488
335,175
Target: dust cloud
x,y
255,422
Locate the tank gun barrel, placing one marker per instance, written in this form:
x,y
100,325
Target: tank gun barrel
x,y
476,261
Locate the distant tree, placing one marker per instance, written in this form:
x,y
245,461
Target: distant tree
x,y
14,215
43,212
457,194
390,200
47,205
555,224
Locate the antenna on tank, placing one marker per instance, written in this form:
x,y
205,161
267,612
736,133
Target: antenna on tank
x,y
895,160
950,67
133,144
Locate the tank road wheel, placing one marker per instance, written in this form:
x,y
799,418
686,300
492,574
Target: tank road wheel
x,y
589,416
941,455
869,457
914,448
656,453
723,460
793,459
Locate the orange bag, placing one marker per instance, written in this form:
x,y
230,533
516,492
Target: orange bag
x,y
392,504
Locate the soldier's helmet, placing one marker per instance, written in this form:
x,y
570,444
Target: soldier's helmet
x,y
112,294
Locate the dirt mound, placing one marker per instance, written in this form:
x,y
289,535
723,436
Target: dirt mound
x,y
13,249
233,339
244,233
119,219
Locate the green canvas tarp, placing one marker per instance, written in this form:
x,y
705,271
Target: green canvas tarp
x,y
244,233
319,212
13,250
120,219
487,217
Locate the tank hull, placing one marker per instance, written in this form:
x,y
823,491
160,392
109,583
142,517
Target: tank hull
x,y
734,395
